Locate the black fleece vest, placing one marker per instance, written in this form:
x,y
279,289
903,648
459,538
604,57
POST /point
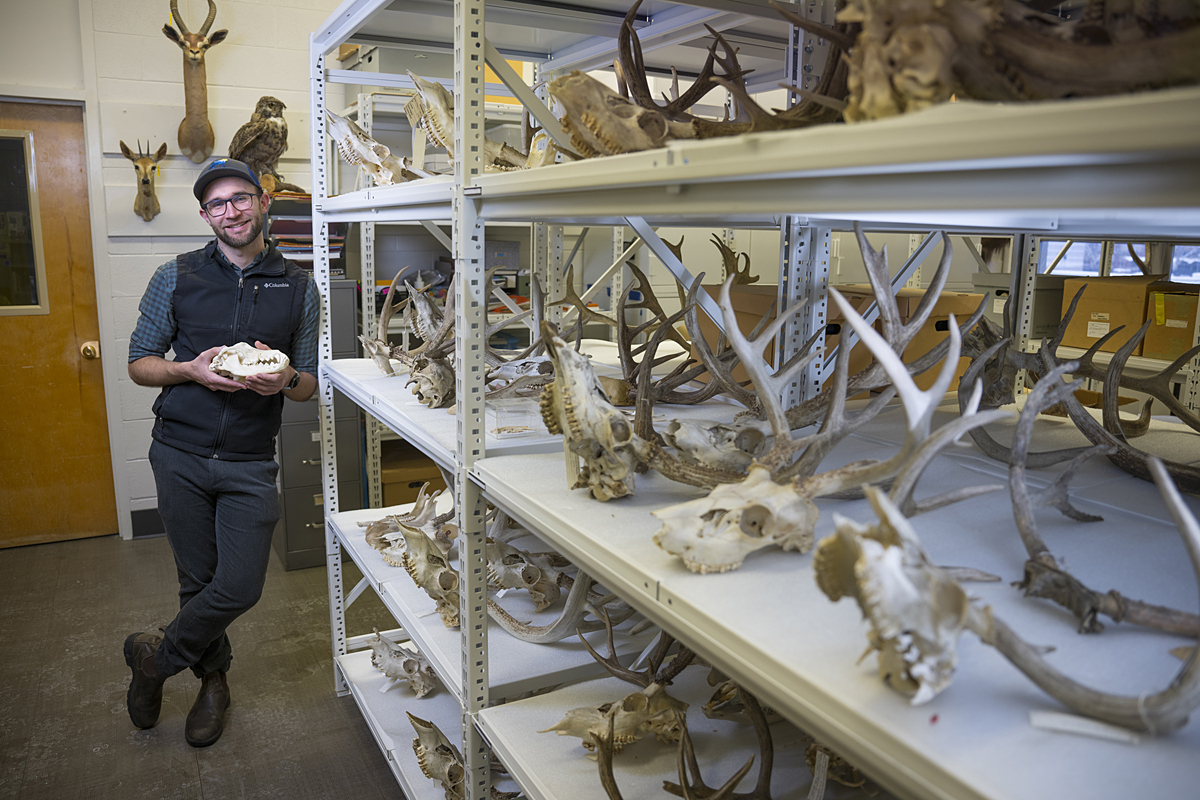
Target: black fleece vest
x,y
217,304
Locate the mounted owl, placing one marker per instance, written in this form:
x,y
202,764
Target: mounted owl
x,y
261,141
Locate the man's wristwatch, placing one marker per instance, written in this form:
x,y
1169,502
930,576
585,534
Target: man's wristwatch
x,y
294,382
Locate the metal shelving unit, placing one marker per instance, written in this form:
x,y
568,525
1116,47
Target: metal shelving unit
x,y
1112,166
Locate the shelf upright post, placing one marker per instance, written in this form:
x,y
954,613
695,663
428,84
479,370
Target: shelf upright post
x,y
1025,266
320,191
914,244
618,278
470,313
803,275
1190,391
366,282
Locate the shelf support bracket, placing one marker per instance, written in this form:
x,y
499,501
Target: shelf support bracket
x,y
532,103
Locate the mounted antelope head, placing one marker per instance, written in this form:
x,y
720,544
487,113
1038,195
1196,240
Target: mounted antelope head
x,y
145,204
195,133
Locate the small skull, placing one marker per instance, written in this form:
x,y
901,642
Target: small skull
x,y
438,758
241,360
651,711
512,568
713,444
397,662
717,532
431,570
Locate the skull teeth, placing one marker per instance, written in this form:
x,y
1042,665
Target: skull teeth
x,y
707,569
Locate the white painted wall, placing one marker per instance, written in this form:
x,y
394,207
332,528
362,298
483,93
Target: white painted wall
x,y
112,56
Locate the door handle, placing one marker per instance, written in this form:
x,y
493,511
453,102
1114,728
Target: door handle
x,y
90,350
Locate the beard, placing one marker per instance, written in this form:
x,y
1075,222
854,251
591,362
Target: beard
x,y
238,242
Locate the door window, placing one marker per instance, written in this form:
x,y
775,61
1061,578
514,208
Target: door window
x,y
22,267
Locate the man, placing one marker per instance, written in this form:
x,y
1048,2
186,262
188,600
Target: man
x,y
214,438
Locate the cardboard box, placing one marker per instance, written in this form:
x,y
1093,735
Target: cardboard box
x,y
750,302
1171,310
935,329
1047,300
405,470
1107,304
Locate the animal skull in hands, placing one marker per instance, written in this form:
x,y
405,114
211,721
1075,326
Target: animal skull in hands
x,y
717,532
602,123
242,360
715,444
595,429
651,711
398,663
916,610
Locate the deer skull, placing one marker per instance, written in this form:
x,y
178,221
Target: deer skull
x,y
717,445
651,711
362,151
240,361
602,123
431,570
432,380
915,609
438,759
595,430
398,663
512,568
717,532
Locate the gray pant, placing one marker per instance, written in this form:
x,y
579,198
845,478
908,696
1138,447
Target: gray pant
x,y
219,517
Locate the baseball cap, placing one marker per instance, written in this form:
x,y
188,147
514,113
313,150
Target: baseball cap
x,y
223,168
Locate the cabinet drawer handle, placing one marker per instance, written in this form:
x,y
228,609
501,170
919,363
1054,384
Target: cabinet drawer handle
x,y
314,525
310,462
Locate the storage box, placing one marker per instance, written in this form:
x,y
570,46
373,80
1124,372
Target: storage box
x,y
1171,310
935,329
1108,303
750,302
1047,300
405,469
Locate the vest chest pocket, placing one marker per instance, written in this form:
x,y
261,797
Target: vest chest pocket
x,y
268,314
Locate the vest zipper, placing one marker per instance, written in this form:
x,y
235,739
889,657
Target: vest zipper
x,y
237,313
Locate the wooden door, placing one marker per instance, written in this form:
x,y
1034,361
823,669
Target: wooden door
x,y
55,466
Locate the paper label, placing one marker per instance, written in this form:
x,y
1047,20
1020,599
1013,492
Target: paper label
x,y
318,499
1177,323
998,305
316,436
1102,316
1097,329
1160,308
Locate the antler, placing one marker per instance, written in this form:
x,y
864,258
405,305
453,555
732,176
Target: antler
x,y
1160,712
691,784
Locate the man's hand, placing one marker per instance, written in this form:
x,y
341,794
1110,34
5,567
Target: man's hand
x,y
201,374
269,383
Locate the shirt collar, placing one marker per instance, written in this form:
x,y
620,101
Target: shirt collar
x,y
258,261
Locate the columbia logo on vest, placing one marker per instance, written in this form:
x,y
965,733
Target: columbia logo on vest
x,y
276,285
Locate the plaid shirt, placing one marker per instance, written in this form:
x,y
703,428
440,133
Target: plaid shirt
x,y
155,328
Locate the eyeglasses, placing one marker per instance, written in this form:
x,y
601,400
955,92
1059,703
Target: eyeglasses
x,y
242,202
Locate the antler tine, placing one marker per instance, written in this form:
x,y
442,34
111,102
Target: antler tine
x,y
769,388
629,54
702,85
208,21
835,36
1112,380
1048,391
910,474
385,313
175,15
1159,387
718,373
643,679
691,784
604,760
1161,712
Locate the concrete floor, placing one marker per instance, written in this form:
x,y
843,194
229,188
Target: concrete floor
x,y
64,731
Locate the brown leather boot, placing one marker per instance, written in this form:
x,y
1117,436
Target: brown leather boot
x,y
206,720
144,698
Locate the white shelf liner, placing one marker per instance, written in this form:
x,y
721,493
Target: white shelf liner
x,y
514,666
385,715
770,625
552,767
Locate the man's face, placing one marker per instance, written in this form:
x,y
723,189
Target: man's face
x,y
235,228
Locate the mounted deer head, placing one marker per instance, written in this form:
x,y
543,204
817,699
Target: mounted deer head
x,y
145,204
195,133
